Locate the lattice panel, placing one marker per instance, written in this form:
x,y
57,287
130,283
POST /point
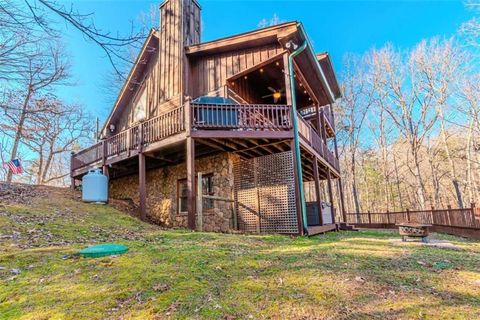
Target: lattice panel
x,y
246,196
265,194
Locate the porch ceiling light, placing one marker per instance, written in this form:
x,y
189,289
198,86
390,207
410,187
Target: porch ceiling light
x,y
112,127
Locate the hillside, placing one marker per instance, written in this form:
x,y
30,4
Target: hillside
x,y
180,274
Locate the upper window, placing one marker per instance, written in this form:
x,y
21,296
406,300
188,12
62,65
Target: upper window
x,y
140,107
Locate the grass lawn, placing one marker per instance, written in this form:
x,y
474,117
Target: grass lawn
x,y
180,274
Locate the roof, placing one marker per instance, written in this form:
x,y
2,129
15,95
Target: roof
x,y
244,40
137,69
321,69
318,67
327,66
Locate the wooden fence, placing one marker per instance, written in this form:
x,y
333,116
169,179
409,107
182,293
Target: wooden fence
x,y
464,222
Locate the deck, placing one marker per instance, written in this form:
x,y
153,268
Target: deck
x,y
205,121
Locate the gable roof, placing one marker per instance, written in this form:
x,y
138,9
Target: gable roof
x,y
244,40
282,33
137,69
327,66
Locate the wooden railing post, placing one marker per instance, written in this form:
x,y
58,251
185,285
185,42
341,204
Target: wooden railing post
x,y
72,166
369,217
449,207
388,216
432,214
408,215
129,141
104,157
140,137
188,116
472,212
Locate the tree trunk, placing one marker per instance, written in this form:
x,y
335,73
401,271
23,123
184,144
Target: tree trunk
x,y
471,183
418,176
354,184
435,182
453,172
19,132
398,182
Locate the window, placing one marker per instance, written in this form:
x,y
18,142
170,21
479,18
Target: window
x,y
182,195
140,107
182,192
207,188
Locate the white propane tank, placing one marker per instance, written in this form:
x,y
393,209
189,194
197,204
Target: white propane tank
x,y
95,187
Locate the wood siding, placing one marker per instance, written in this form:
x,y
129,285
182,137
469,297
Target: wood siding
x,y
163,77
177,30
209,74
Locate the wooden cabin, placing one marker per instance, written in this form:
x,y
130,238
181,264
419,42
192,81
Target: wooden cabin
x,y
251,113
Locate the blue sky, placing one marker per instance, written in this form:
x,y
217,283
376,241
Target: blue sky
x,y
338,27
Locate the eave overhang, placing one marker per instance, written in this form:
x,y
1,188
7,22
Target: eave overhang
x,y
133,80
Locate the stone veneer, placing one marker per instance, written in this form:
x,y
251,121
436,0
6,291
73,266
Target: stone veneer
x,y
162,200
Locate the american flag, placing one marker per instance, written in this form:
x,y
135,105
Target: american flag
x,y
15,166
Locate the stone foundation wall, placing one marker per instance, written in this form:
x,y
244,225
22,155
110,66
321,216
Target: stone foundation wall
x,y
162,187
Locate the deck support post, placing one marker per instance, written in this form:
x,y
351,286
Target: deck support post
x,y
342,201
317,190
330,194
199,202
297,177
191,182
72,179
142,172
142,186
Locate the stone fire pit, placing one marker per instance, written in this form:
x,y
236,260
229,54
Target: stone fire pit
x,y
414,230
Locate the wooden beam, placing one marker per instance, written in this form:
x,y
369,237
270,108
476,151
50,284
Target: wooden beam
x,y
254,38
317,191
330,194
142,186
342,201
255,67
297,177
199,202
211,144
190,155
228,134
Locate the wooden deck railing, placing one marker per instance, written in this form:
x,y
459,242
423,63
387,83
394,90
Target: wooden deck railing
x,y
316,142
241,116
462,218
248,117
128,141
311,112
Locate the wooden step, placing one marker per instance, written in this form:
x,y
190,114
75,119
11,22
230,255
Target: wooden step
x,y
314,230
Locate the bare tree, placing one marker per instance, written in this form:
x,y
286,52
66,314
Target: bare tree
x,y
354,106
53,135
46,70
410,108
439,64
112,44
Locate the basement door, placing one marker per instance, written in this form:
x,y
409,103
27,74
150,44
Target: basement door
x,y
265,194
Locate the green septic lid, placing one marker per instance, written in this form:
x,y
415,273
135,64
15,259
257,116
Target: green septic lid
x,y
103,250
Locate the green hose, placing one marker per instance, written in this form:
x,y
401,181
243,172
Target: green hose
x,y
295,134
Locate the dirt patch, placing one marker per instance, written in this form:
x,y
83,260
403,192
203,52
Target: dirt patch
x,y
442,244
16,193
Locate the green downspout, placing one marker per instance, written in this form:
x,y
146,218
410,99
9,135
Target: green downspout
x,y
295,134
